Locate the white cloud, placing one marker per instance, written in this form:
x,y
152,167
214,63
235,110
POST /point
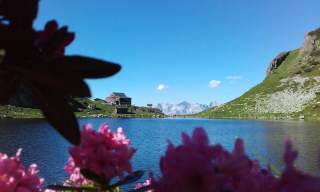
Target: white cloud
x,y
234,77
214,83
162,87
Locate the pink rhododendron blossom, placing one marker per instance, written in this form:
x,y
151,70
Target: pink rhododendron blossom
x,y
105,153
15,178
140,186
197,166
75,177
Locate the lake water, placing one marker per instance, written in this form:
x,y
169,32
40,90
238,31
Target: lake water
x,y
263,140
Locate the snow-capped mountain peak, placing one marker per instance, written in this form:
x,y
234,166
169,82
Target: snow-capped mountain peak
x,y
184,108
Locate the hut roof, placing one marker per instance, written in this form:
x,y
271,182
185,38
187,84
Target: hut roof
x,y
118,94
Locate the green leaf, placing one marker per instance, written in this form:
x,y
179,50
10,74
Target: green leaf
x,y
70,188
94,177
135,176
116,189
142,189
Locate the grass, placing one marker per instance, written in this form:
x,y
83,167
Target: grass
x,y
84,107
8,111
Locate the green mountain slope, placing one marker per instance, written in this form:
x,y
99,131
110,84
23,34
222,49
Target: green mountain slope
x,y
291,89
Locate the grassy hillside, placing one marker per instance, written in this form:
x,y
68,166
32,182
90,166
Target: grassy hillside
x,y
83,107
290,91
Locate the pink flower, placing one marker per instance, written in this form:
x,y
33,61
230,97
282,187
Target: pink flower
x,y
15,178
140,186
75,177
105,153
197,166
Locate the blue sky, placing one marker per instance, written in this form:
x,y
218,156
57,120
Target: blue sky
x,y
176,50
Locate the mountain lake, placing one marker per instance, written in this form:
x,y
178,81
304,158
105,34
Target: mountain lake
x,y
263,140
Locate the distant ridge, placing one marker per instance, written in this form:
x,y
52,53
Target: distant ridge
x,y
184,108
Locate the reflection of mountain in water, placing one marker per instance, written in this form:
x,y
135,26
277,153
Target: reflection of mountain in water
x,y
268,147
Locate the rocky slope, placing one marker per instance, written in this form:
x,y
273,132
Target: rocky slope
x,y
291,89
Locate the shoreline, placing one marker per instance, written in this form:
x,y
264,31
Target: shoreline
x,y
273,118
167,117
11,112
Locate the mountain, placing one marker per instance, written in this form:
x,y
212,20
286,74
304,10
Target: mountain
x,y
183,108
291,89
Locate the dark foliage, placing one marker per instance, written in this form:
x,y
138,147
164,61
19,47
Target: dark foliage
x,y
36,59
